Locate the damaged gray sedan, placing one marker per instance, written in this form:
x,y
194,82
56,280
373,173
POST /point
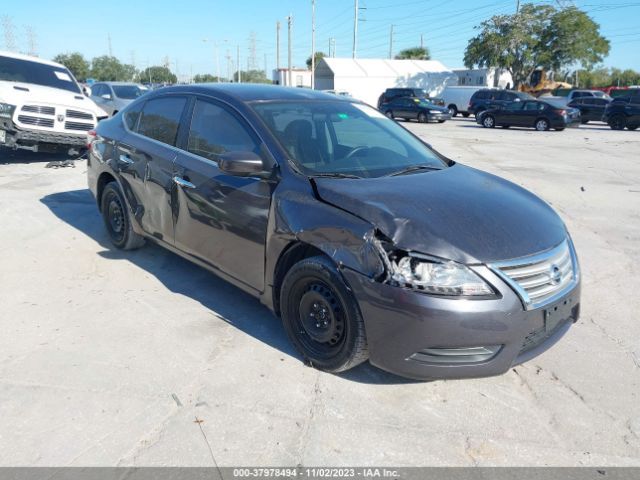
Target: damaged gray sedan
x,y
367,243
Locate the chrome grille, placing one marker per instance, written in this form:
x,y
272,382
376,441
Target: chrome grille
x,y
36,121
39,109
541,278
77,114
78,126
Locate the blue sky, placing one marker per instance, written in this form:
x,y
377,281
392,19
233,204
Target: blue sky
x,y
147,32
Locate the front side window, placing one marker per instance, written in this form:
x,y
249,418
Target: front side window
x,y
214,131
514,106
18,70
342,138
127,92
160,119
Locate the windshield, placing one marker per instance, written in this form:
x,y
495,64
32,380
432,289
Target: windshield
x,y
341,138
18,70
128,92
425,102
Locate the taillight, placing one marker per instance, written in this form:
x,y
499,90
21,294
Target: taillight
x,y
91,136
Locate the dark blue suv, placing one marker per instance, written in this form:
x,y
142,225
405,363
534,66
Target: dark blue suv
x,y
490,98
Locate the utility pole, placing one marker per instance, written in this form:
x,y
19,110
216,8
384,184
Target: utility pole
x,y
9,34
355,29
313,43
252,61
238,63
278,45
391,42
421,40
289,25
517,7
109,44
31,41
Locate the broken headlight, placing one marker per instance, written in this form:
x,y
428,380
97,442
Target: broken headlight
x,y
437,277
6,110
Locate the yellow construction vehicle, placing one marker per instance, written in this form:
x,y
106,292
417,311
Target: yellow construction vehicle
x,y
540,81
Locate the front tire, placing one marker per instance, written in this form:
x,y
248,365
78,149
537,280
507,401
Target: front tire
x,y
389,114
453,110
117,219
321,317
422,117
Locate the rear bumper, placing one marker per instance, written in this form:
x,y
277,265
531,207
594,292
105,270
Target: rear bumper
x,y
424,337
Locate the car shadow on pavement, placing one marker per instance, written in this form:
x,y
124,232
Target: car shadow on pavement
x,y
8,155
239,309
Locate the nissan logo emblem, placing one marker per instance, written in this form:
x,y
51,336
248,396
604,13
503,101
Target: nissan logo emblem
x,y
555,275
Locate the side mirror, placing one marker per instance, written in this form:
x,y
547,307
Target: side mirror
x,y
106,96
241,164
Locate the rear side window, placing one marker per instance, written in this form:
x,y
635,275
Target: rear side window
x,y
214,130
160,119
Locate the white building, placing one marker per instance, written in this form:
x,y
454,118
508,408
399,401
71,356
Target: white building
x,y
367,78
300,77
484,77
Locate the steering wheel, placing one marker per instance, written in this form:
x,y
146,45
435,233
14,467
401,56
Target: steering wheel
x,y
356,150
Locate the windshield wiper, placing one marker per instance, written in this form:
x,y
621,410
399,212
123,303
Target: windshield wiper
x,y
413,168
334,175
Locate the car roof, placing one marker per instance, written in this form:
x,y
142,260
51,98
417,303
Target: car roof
x,y
20,56
118,83
251,92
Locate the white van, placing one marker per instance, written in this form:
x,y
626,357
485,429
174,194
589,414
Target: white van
x,y
456,99
42,107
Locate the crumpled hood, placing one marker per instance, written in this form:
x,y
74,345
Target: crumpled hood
x,y
41,95
457,213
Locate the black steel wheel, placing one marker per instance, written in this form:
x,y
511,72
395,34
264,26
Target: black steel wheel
x,y
618,122
321,317
116,219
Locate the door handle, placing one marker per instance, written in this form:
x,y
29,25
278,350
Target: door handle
x,y
125,159
183,183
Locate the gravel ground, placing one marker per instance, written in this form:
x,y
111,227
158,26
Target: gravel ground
x,y
140,358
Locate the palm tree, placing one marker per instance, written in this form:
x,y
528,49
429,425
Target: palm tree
x,y
415,53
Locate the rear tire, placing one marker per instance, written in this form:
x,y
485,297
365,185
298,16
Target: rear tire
x,y
321,317
117,219
541,125
488,121
618,122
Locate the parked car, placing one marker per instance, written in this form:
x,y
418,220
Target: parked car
x,y
391,93
591,108
341,93
457,99
570,94
531,113
367,243
413,108
489,98
114,96
42,107
623,112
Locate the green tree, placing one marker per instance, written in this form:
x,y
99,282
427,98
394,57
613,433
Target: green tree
x,y
415,53
205,78
319,56
107,68
157,74
537,36
252,76
76,63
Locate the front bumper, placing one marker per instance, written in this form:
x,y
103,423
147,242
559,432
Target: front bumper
x,y
16,137
438,117
417,335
